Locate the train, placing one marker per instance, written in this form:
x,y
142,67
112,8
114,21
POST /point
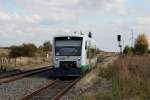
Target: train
x,y
73,54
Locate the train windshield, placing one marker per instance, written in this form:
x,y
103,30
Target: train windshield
x,y
68,46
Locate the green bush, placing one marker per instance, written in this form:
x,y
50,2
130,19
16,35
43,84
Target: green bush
x,y
128,50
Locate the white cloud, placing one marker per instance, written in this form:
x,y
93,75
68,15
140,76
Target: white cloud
x,y
111,6
121,7
71,10
43,18
4,16
144,20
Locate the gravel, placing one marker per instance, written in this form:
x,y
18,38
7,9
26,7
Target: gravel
x,y
15,90
48,93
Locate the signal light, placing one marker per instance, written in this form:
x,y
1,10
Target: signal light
x,y
90,34
119,37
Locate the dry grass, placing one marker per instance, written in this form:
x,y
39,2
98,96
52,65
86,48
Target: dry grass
x,y
129,78
96,96
4,51
21,63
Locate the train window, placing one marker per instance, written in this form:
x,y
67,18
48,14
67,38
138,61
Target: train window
x,y
68,46
86,46
68,51
88,49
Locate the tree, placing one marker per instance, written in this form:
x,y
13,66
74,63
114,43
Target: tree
x,y
47,47
141,44
15,51
127,50
29,50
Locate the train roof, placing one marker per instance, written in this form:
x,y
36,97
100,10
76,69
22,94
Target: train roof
x,y
71,34
75,35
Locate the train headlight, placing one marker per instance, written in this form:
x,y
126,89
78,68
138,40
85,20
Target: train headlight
x,y
56,59
79,59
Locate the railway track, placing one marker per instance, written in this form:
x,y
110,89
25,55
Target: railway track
x,y
11,73
52,91
19,75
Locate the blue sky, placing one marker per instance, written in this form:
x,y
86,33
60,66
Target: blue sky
x,y
26,21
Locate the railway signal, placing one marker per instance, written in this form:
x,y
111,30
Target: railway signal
x,y
90,34
119,38
119,41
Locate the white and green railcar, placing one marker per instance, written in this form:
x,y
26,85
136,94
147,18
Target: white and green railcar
x,y
73,54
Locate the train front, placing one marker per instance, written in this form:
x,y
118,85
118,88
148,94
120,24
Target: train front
x,y
67,53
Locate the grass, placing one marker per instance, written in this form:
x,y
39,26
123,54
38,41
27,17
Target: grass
x,y
129,78
21,63
96,96
4,51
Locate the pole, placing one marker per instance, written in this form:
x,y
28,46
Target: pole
x,y
132,38
120,46
119,41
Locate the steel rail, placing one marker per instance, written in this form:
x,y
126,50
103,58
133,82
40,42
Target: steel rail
x,y
26,97
66,89
59,94
55,97
22,75
13,73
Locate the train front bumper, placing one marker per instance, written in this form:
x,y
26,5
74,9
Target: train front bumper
x,y
67,72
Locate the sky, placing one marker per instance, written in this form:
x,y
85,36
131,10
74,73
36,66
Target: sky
x,y
36,21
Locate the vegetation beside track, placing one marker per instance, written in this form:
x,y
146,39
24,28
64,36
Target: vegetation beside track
x,y
128,78
24,56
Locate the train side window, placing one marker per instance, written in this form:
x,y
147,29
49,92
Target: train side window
x,y
86,45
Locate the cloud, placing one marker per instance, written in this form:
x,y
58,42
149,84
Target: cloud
x,y
71,10
117,6
121,7
4,16
38,20
144,20
50,12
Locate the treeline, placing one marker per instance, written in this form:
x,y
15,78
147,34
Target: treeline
x,y
141,46
29,50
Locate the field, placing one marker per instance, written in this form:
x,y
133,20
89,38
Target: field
x,y
21,63
128,78
131,77
4,51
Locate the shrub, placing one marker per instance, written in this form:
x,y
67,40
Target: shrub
x,y
128,50
131,77
15,51
141,44
28,50
47,47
